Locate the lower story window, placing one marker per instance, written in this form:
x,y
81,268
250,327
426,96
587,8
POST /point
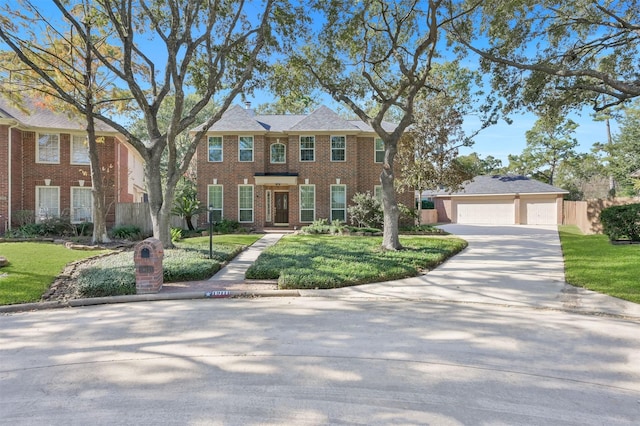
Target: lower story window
x,y
307,203
245,203
339,202
81,205
47,202
377,192
215,202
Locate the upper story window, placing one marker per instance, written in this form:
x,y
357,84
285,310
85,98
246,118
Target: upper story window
x,y
379,151
278,153
245,148
79,149
307,148
338,148
48,148
215,149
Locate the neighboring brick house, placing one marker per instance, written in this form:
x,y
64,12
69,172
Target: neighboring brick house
x,y
45,171
288,170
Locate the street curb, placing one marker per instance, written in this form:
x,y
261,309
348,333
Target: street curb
x,y
213,294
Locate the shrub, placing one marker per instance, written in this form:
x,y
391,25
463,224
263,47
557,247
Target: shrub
x,y
322,226
427,205
176,234
127,232
621,222
226,226
366,211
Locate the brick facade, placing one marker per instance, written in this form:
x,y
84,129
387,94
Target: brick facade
x,y
358,173
21,174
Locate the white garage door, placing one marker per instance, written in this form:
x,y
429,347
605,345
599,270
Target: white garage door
x,y
489,212
540,211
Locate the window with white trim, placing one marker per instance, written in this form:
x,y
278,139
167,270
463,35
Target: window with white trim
x,y
245,203
377,192
338,148
79,149
215,149
47,202
379,151
245,148
81,205
307,148
214,200
307,203
48,148
278,153
339,202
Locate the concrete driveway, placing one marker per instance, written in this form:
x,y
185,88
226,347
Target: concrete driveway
x,y
513,265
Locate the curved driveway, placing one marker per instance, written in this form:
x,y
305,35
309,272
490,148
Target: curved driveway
x,y
410,355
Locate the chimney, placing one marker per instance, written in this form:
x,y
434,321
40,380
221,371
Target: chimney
x,y
247,107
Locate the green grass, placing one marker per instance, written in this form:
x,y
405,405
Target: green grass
x,y
592,262
320,261
33,266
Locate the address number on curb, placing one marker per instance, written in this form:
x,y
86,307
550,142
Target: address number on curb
x,y
217,293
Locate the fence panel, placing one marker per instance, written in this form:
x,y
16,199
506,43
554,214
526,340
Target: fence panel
x,y
586,214
138,214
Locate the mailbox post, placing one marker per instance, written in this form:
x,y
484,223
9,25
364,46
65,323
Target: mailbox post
x,y
148,263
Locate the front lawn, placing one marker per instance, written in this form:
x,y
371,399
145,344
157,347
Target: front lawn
x,y
33,266
592,262
321,261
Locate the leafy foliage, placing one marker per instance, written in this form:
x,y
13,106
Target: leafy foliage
x,y
621,222
127,232
365,211
320,261
322,226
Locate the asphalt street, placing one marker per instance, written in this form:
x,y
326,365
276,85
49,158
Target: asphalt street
x,y
412,355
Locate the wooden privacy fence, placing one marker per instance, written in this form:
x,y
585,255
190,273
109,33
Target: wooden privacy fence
x,y
586,214
138,214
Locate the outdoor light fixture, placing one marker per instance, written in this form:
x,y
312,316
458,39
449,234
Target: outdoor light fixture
x,y
210,231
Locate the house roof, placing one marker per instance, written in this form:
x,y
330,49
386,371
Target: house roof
x,y
323,119
501,185
33,113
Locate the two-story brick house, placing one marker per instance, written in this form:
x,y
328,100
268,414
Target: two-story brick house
x,y
288,170
45,167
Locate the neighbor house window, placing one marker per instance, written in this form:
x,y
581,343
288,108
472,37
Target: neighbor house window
x,y
339,202
47,202
379,150
81,205
307,203
278,155
214,200
338,148
307,148
377,192
79,149
245,203
48,148
245,148
215,149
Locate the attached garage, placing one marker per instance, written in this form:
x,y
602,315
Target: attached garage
x,y
501,200
490,212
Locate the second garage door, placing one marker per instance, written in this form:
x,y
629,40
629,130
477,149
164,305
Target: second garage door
x,y
489,212
539,211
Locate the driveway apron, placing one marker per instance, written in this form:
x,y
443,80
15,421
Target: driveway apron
x,y
514,265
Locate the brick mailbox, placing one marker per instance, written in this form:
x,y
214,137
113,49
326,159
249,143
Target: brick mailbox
x,y
148,262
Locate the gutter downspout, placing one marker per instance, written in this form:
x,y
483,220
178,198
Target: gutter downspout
x,y
10,177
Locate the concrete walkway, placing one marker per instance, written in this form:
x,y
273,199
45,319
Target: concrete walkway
x,y
234,271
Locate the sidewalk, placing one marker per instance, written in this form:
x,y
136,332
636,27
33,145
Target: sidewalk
x,y
231,276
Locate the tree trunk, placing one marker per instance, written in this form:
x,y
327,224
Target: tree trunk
x,y
390,236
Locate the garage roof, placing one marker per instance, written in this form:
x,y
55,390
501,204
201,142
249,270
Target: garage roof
x,y
501,185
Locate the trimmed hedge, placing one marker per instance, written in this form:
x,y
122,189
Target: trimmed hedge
x,y
621,222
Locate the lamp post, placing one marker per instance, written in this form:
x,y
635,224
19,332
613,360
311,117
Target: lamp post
x,y
210,231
